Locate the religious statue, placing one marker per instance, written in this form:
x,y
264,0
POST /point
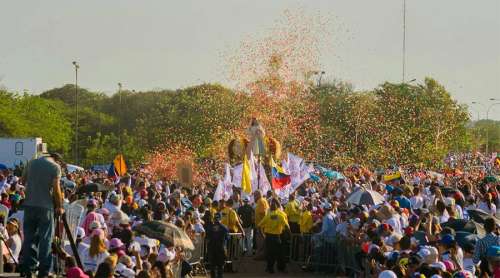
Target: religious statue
x,y
258,143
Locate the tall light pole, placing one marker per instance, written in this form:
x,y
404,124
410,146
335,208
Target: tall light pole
x,y
77,66
120,117
487,122
404,41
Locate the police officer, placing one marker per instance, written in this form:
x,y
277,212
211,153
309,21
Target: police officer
x,y
273,225
217,236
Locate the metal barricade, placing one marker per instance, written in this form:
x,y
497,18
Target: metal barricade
x,y
234,248
197,256
325,254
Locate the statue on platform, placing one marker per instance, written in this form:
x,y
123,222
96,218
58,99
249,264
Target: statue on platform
x,y
257,143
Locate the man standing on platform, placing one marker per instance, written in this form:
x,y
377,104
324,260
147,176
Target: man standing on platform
x,y
44,198
273,225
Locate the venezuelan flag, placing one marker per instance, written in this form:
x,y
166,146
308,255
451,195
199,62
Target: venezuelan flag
x,y
112,172
280,179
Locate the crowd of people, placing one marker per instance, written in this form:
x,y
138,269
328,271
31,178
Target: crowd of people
x,y
437,223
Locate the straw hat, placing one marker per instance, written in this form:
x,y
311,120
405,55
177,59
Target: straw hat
x,y
385,212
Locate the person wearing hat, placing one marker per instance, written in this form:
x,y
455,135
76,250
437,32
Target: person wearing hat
x,y
43,200
217,236
247,216
80,245
14,244
273,225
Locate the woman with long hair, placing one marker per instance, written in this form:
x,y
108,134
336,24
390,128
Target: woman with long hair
x,y
96,253
14,243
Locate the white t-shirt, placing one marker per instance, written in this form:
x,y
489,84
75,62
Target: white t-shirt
x,y
81,248
395,223
484,206
124,271
15,244
91,263
469,265
417,202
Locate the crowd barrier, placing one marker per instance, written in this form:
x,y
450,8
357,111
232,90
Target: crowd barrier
x,y
326,254
311,252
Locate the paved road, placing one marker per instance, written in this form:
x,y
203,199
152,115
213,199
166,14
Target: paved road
x,y
248,268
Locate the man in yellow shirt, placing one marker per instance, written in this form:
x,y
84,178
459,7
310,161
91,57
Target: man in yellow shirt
x,y
230,218
273,225
261,207
306,220
292,210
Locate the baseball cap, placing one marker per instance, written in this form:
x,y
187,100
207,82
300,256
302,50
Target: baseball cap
x,y
80,232
387,274
327,205
246,199
439,265
94,225
57,157
92,202
115,243
447,239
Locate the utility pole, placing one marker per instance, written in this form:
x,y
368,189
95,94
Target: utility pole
x,y
404,41
77,66
120,118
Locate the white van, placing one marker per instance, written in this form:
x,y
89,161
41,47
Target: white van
x,y
13,151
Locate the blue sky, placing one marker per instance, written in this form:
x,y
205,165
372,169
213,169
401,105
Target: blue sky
x,y
172,44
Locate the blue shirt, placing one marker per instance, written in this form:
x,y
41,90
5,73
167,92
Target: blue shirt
x,y
329,226
403,202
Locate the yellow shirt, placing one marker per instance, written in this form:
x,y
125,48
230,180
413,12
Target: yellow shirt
x,y
273,223
306,222
293,212
230,219
261,207
213,211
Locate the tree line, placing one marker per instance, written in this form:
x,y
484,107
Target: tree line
x,y
333,123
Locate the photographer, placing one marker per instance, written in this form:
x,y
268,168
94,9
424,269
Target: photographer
x,y
43,199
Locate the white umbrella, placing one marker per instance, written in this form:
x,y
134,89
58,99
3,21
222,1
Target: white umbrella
x,y
364,196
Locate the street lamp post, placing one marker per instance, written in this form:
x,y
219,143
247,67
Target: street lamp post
x,y
77,66
404,40
487,122
120,117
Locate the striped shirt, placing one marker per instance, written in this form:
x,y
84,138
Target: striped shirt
x,y
483,244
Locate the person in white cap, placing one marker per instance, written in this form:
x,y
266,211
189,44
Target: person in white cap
x,y
387,274
81,246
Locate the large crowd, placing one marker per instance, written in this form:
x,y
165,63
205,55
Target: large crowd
x,y
430,223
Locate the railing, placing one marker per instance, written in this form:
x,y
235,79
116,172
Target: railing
x,y
234,248
326,254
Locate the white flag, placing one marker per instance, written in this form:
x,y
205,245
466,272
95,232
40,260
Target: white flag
x,y
219,191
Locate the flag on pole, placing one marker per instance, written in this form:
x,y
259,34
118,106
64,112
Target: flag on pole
x,y
120,166
280,178
246,182
112,172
